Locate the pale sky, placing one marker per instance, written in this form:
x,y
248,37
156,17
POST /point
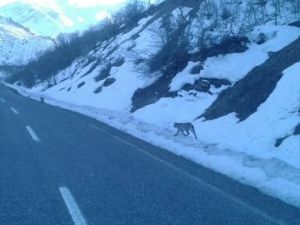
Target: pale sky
x,y
76,3
75,11
91,3
75,14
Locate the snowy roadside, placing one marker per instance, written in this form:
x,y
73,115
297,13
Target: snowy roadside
x,y
270,175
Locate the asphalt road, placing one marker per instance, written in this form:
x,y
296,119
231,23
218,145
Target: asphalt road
x,y
61,168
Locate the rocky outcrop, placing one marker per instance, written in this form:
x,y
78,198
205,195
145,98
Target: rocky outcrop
x,y
250,92
160,88
297,130
205,84
109,81
226,46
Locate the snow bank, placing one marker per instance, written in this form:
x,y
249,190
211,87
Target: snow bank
x,y
184,108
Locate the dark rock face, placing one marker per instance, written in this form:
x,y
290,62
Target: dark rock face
x,y
295,24
231,45
204,84
152,93
200,85
279,141
118,62
135,36
261,39
197,69
249,93
104,73
81,84
226,46
160,88
98,90
270,54
106,83
109,81
297,130
91,69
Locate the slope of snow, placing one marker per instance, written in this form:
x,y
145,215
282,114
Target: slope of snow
x,y
163,110
257,135
236,65
230,66
119,93
114,97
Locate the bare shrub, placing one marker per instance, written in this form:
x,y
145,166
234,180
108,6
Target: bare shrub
x,y
171,40
130,13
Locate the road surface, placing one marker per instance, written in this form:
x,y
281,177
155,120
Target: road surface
x,y
61,168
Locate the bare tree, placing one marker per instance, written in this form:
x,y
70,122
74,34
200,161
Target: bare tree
x,y
207,20
277,4
296,6
130,13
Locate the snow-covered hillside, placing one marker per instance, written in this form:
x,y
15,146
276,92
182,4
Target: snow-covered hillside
x,y
237,82
18,45
40,20
49,18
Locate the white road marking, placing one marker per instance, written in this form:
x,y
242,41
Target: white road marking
x,y
196,179
2,100
14,110
72,206
33,134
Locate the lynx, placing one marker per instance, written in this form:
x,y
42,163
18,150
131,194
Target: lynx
x,y
185,129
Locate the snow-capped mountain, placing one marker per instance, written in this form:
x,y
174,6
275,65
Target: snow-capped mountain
x,y
47,19
40,20
18,45
229,67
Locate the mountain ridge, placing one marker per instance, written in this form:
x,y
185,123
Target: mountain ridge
x,y
18,44
35,18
